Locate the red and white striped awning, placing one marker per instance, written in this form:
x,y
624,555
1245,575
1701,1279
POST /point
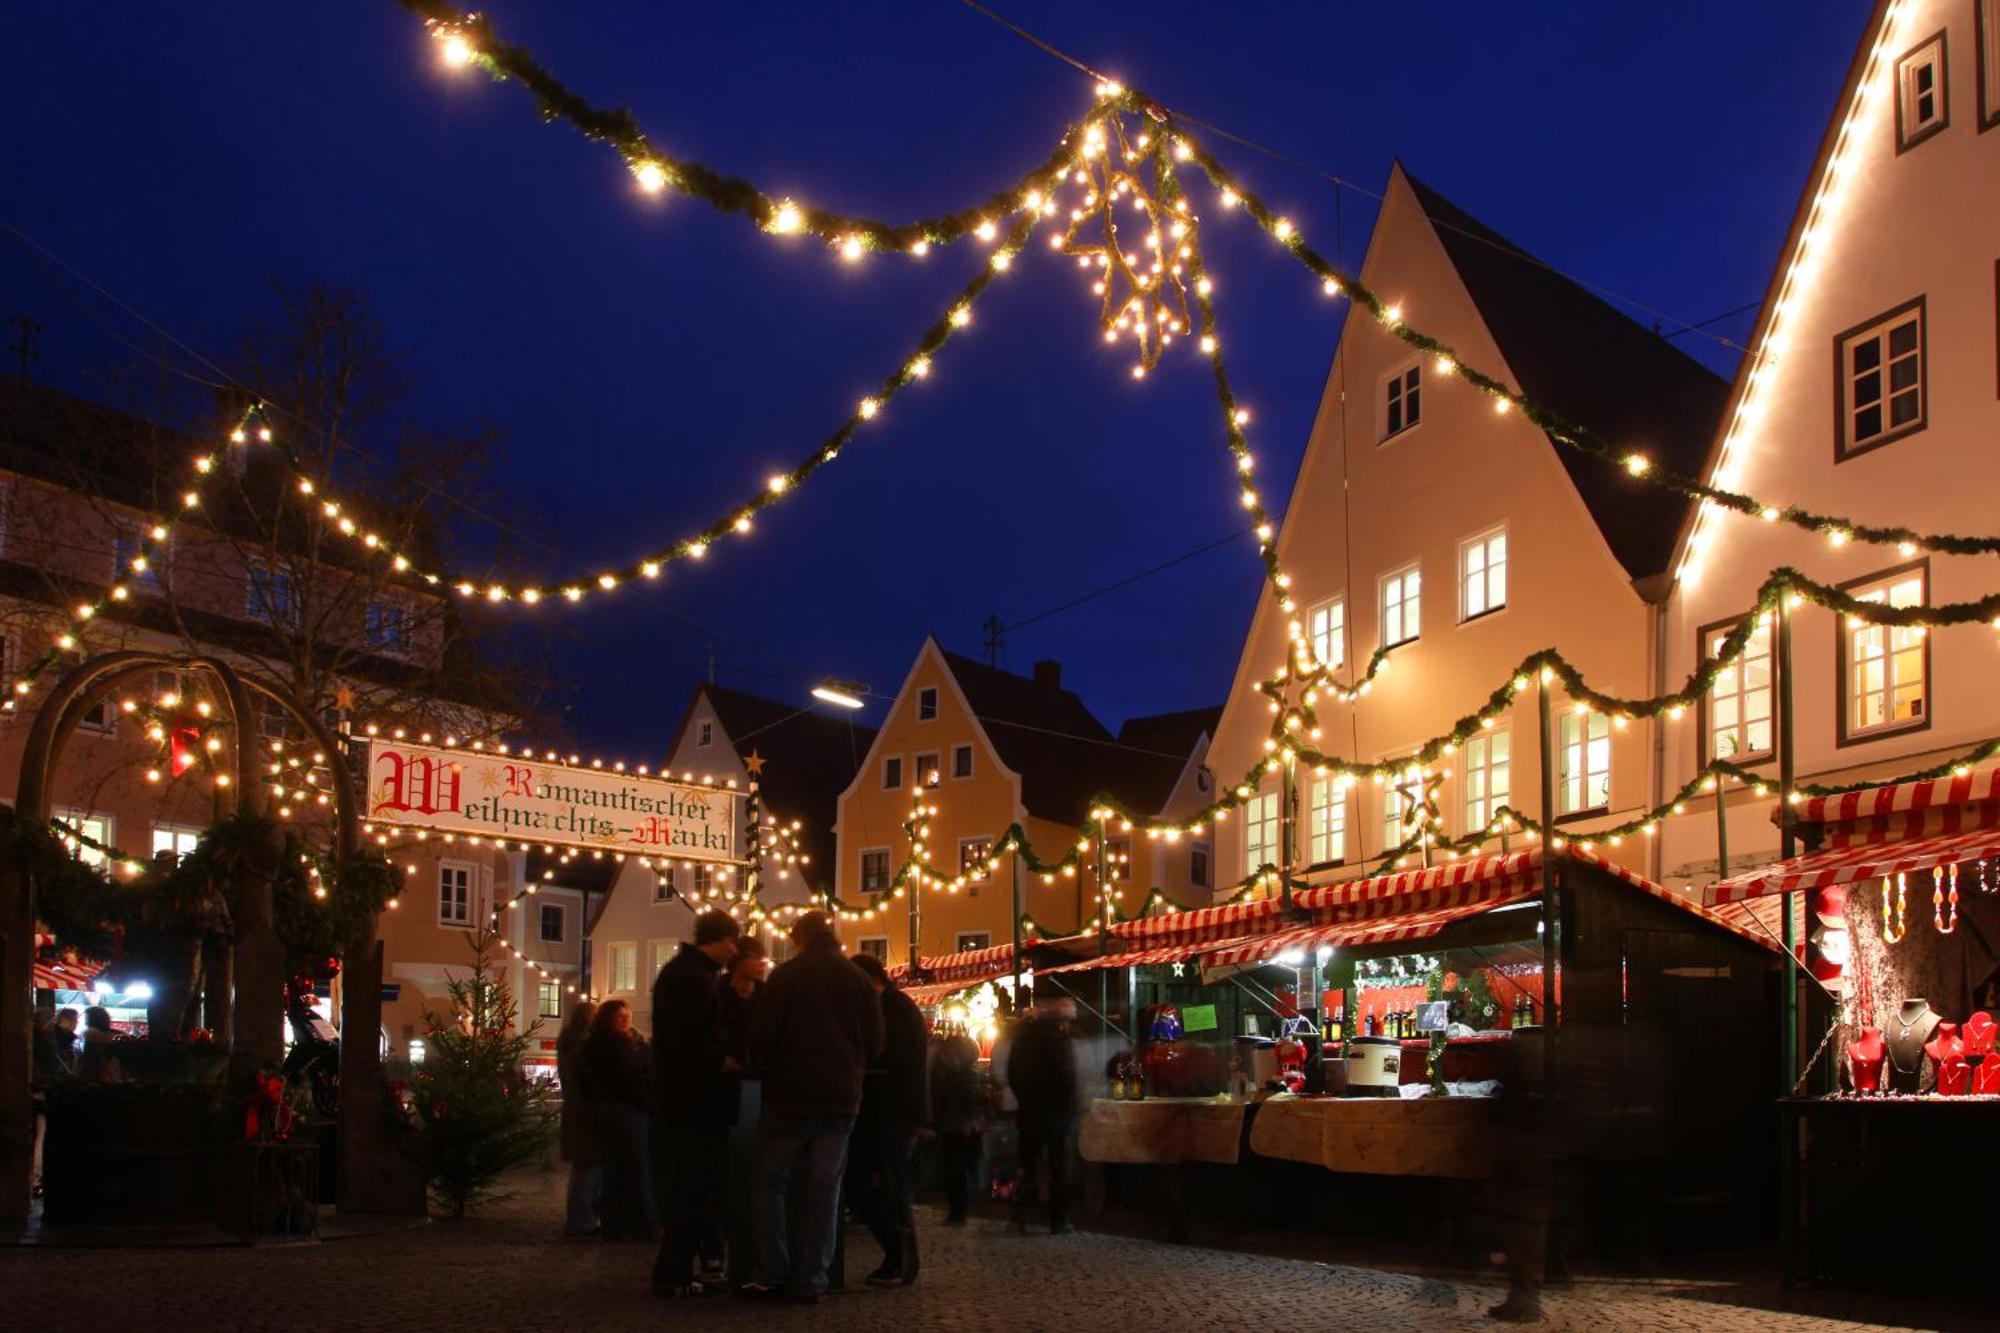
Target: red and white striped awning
x,y
1166,953
63,976
1901,798
1202,925
1856,863
1353,934
968,967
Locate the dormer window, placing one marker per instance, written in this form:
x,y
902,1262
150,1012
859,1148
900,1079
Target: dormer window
x,y
1921,109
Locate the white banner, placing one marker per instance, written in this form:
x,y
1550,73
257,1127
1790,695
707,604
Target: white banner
x,y
519,799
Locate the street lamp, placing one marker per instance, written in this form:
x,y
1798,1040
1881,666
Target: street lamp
x,y
844,694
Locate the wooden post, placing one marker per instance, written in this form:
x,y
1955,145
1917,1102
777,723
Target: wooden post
x,y
1018,913
1721,829
1549,917
1288,796
1788,1159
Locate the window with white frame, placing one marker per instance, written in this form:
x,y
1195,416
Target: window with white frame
x,y
1881,379
929,770
270,596
1397,821
875,870
1486,780
94,829
875,946
1402,606
702,878
1402,400
969,940
1201,865
1260,832
663,885
1739,703
1326,822
1921,109
961,761
1326,632
454,894
554,922
1583,776
1887,666
99,719
927,704
548,999
973,854
175,839
663,952
892,772
1988,16
625,967
1482,574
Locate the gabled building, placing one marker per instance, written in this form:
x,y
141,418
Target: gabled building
x,y
804,759
993,750
1463,539
1871,392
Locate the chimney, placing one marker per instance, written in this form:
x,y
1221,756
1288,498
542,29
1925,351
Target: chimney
x,y
1048,677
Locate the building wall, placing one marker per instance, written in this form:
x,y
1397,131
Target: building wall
x,y
1364,506
1895,227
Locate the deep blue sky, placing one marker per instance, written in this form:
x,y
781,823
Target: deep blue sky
x,y
650,361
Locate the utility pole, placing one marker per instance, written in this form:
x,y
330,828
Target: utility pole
x,y
23,348
994,643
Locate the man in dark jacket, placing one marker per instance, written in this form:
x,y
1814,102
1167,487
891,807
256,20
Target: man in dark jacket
x,y
695,1096
815,1029
1041,1072
895,1104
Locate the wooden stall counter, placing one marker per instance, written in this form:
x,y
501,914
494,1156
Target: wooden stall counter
x,y
1163,1131
1449,1137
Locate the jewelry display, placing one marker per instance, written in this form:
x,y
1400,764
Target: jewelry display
x,y
1945,923
1894,928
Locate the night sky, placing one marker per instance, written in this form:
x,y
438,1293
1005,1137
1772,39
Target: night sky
x,y
649,362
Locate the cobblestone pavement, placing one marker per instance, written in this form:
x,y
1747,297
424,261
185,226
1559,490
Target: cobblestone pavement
x,y
507,1270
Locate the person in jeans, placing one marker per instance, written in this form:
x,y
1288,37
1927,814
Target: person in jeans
x,y
958,1114
580,1203
1041,1069
815,1029
615,1084
895,1103
697,1098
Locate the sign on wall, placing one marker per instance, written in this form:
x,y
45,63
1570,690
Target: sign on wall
x,y
498,796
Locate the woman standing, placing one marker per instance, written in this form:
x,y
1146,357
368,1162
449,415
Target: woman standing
x,y
615,1092
578,1148
98,1064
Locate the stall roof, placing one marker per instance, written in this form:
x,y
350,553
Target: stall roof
x,y
1855,863
967,968
1352,934
1901,798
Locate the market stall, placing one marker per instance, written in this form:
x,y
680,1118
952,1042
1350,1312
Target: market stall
x,y
1425,991
1900,1103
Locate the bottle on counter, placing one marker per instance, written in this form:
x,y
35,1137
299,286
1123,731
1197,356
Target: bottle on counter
x,y
1120,1071
1335,1024
1135,1080
1371,1024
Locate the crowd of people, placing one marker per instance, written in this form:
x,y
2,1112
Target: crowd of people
x,y
61,1056
844,1078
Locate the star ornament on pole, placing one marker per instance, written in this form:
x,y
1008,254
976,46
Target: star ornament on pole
x,y
1420,805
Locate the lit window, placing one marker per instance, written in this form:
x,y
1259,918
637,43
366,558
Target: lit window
x,y
875,946
969,940
875,871
94,829
1921,110
663,953
177,842
1486,782
1402,402
548,999
553,922
625,967
454,895
928,770
1399,818
1260,832
1201,871
1326,630
1401,606
1326,823
973,854
1583,781
1482,574
703,878
1887,666
927,703
961,761
1739,703
1881,386
892,772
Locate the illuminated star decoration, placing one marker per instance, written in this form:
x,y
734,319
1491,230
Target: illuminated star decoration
x,y
754,763
1420,807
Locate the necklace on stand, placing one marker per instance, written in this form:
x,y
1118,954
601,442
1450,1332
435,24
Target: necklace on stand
x,y
1894,928
1945,925
1986,878
1903,1031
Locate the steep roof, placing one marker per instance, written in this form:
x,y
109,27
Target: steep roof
x,y
809,756
1595,367
1063,753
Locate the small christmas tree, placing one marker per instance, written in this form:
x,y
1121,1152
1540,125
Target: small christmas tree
x,y
482,1115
